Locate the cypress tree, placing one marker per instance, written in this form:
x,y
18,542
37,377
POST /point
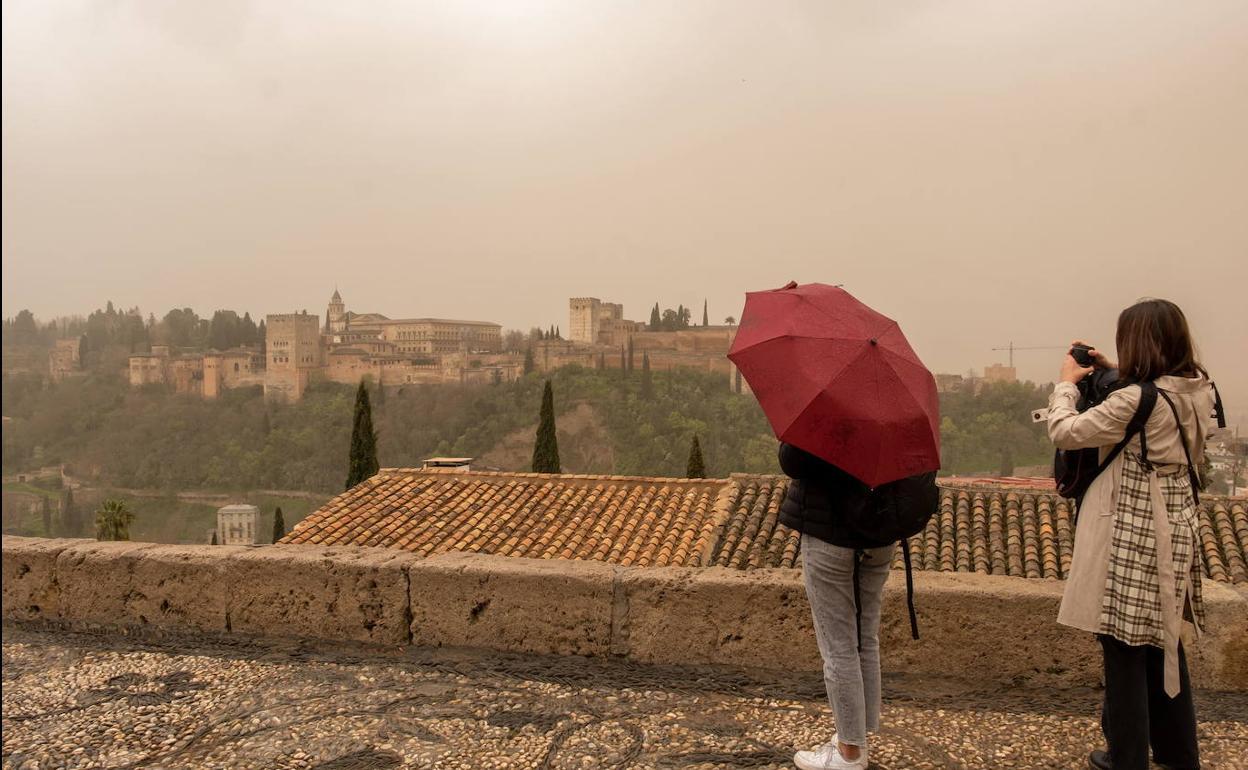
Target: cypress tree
x,y
647,384
529,363
681,313
630,353
546,447
70,526
706,319
214,538
363,460
697,469
279,525
655,319
602,361
623,361
47,517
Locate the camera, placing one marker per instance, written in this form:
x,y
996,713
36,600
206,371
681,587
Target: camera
x,y
1082,355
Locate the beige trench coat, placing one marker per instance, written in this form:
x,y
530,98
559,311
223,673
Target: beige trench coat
x,y
1104,426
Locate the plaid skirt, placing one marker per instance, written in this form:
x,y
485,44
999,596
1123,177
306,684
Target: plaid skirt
x,y
1131,609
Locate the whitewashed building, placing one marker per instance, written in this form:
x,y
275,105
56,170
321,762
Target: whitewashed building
x,y
237,524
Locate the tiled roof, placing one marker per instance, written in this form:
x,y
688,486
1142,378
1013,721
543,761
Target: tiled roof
x,y
618,519
1013,529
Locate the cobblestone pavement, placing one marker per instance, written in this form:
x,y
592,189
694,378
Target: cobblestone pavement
x,y
83,701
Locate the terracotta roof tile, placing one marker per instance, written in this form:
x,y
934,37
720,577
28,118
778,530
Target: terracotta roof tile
x,y
990,528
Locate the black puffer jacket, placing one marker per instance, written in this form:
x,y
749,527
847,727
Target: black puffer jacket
x,y
811,504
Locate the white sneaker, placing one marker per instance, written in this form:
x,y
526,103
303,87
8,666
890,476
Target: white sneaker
x,y
828,757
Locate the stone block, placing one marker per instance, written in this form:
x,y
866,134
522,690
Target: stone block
x,y
96,582
337,593
1219,659
183,587
985,628
714,615
506,603
29,586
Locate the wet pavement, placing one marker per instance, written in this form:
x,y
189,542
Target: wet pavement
x,y
91,701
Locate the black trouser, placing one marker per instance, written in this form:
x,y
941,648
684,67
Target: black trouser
x,y
1137,711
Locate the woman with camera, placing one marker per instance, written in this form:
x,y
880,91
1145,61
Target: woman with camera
x,y
1135,574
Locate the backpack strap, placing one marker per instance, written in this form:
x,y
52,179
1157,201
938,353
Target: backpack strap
x,y
1148,400
1191,469
1218,411
914,619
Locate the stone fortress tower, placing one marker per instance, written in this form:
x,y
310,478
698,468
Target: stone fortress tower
x,y
588,316
293,351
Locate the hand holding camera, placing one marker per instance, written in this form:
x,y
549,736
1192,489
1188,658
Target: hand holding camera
x,y
1081,360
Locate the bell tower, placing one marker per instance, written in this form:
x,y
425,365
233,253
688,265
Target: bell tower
x,y
336,315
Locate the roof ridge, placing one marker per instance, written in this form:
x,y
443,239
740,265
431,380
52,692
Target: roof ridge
x,y
549,476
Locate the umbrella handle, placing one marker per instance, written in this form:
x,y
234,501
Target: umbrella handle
x,y
787,286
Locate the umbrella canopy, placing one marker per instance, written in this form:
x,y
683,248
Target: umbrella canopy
x,y
839,380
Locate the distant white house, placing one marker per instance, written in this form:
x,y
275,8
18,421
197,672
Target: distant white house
x,y
237,524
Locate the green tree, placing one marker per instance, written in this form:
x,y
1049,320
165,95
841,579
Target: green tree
x,y
362,463
529,363
696,468
214,538
112,521
71,524
546,445
279,525
647,382
656,320
630,353
706,319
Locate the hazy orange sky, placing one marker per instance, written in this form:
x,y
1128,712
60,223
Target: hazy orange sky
x,y
981,171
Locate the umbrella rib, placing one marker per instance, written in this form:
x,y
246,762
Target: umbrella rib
x,y
889,359
828,315
794,337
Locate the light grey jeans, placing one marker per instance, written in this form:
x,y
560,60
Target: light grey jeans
x,y
852,677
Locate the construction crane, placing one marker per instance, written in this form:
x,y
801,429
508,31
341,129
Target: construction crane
x,y
1011,347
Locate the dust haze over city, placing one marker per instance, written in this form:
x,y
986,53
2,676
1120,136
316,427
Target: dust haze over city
x,y
380,387
982,173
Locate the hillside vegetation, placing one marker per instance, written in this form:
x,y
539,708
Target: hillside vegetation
x,y
112,435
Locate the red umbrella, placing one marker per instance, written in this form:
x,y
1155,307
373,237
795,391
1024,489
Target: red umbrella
x,y
839,380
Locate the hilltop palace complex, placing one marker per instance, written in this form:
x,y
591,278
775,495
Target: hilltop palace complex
x,y
347,347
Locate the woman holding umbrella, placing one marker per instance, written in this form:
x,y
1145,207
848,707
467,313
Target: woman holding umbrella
x,y
857,416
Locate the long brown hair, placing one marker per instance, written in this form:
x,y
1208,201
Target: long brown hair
x,y
1153,341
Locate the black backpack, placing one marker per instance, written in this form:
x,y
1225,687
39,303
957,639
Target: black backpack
x,y
1074,470
886,514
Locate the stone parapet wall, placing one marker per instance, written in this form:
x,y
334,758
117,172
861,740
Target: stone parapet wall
x,y
990,629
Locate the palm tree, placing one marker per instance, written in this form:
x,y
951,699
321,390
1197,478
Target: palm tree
x,y
112,521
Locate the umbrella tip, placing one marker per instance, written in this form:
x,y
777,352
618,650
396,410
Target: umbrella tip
x,y
874,341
